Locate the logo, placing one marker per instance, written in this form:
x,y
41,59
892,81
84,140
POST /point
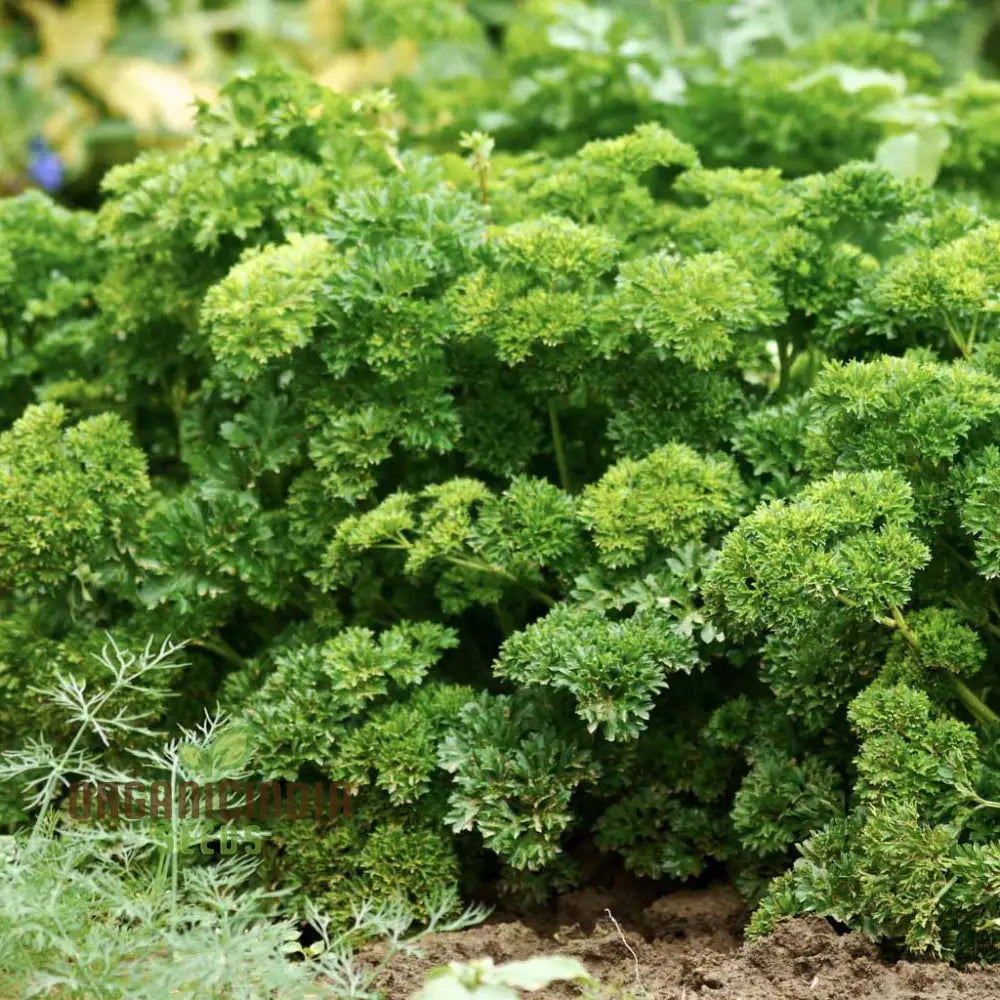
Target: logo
x,y
234,803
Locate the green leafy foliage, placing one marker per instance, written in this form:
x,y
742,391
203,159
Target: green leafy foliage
x,y
194,928
315,689
71,499
659,502
603,459
845,538
516,768
613,670
696,308
904,862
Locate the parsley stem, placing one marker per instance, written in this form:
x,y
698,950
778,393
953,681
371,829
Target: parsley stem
x,y
980,711
675,26
964,345
976,706
484,567
219,646
899,622
560,450
784,366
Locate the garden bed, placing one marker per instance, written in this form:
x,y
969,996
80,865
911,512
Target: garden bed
x,y
689,944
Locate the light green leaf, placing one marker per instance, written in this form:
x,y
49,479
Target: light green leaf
x,y
231,749
536,973
191,756
914,155
852,79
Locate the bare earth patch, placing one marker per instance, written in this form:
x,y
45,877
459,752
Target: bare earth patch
x,y
689,945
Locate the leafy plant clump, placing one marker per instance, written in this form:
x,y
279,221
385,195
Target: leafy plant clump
x,y
601,494
118,907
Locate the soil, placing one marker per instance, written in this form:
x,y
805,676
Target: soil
x,y
690,946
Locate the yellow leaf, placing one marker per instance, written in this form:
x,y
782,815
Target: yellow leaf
x,y
66,128
151,95
326,21
368,67
75,35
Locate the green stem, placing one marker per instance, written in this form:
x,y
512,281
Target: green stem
x,y
557,441
219,646
505,621
899,622
483,567
161,865
992,602
967,563
784,367
973,334
964,346
976,706
979,710
54,777
812,355
174,843
480,567
484,198
983,803
484,187
675,27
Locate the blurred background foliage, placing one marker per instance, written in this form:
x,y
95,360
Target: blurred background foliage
x,y
792,83
91,82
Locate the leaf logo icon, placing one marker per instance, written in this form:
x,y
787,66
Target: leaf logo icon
x,y
191,756
230,750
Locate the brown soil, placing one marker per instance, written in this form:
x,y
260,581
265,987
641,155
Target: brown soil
x,y
689,945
